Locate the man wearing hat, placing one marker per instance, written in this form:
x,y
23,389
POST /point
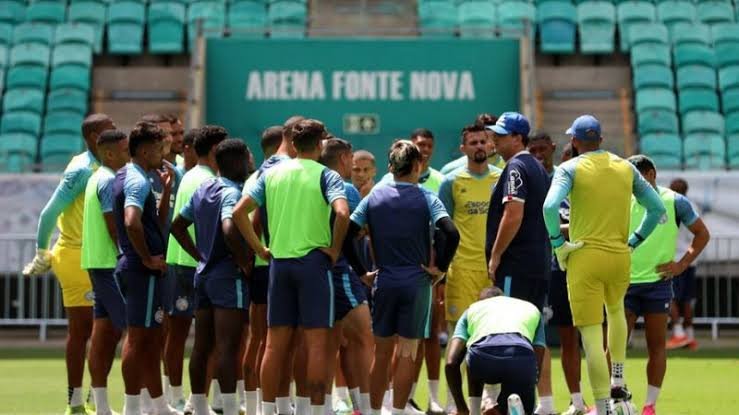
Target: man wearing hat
x,y
599,185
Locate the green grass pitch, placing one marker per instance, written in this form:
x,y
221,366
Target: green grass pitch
x,y
33,381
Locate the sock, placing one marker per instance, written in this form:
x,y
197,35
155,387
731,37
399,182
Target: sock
x,y
259,400
160,404
690,332
475,403
101,399
377,412
677,330
283,405
328,407
269,408
365,407
354,396
603,407
617,374
251,402
241,391
397,411
176,394
652,395
230,404
302,405
132,405
217,401
546,404
342,392
413,391
166,388
293,390
597,365
491,392
387,398
199,404
451,406
74,397
317,409
434,391
146,404
577,400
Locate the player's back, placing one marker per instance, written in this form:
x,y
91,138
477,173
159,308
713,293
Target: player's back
x,y
70,220
98,250
600,200
189,184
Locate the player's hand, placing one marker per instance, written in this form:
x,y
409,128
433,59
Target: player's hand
x,y
670,270
368,279
434,272
167,176
564,251
264,253
40,265
332,253
493,265
155,263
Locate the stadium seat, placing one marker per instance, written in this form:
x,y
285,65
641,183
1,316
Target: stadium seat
x,y
630,13
166,27
704,151
70,76
6,34
47,11
728,78
126,27
596,25
725,33
664,149
4,58
2,79
727,54
41,33
693,54
477,20
62,122
658,76
31,54
658,121
12,11
20,122
650,53
655,99
732,151
730,102
438,19
287,19
247,19
73,100
690,33
557,26
75,33
673,12
17,153
697,99
24,99
71,54
93,14
696,76
703,122
712,12
27,76
516,15
732,124
57,150
213,16
648,34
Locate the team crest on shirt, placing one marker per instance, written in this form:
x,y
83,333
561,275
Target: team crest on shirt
x,y
181,303
90,296
159,316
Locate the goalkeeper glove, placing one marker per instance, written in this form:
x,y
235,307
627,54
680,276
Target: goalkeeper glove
x,y
564,251
40,265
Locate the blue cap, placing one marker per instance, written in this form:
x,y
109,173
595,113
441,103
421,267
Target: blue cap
x,y
511,123
585,127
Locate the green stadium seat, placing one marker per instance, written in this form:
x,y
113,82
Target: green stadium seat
x,y
732,150
75,33
650,53
596,25
631,13
712,12
126,27
516,15
287,19
437,19
655,99
62,122
658,121
4,58
653,76
70,76
31,54
732,123
664,149
25,76
6,34
696,76
694,54
730,101
727,54
477,20
72,54
12,11
2,79
17,153
708,122
58,149
44,11
20,122
166,27
704,151
728,78
648,34
697,99
690,33
673,12
213,15
557,26
725,33
247,19
41,33
73,100
93,14
24,99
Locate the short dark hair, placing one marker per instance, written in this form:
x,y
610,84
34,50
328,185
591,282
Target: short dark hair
x,y
143,133
287,127
209,137
171,117
332,150
110,137
472,128
230,153
642,163
679,185
364,155
271,139
190,136
402,156
490,292
154,118
540,136
306,134
421,132
94,123
485,119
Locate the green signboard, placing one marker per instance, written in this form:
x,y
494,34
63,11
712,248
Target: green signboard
x,y
367,91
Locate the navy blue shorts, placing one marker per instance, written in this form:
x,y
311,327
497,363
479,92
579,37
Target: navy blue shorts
x,y
533,290
221,291
512,365
683,286
182,290
259,285
301,292
349,292
109,301
559,301
402,309
649,298
142,290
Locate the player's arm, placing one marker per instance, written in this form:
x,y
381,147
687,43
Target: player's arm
x,y
105,197
357,222
456,351
446,196
168,178
687,216
647,197
243,256
446,242
336,196
558,191
180,233
135,193
253,197
539,343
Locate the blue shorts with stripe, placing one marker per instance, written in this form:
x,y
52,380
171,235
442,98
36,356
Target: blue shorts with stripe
x,y
109,301
402,307
301,292
531,289
142,290
221,291
348,291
